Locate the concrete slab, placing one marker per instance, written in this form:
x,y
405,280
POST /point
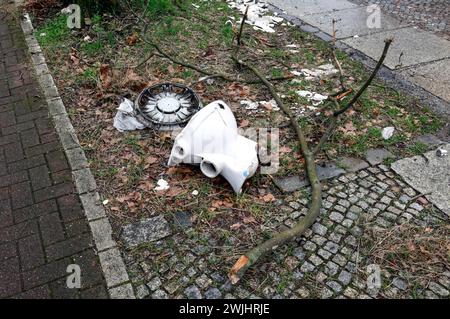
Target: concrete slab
x,y
433,77
417,46
300,8
145,231
428,174
350,22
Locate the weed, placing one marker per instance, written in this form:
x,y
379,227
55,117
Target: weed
x,y
417,148
53,33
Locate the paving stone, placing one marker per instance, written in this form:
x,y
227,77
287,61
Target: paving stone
x,y
331,268
438,289
193,292
147,230
183,219
377,156
213,293
154,284
319,229
142,292
334,285
307,267
352,164
337,217
291,184
324,254
345,277
400,283
160,294
428,139
428,174
331,247
326,293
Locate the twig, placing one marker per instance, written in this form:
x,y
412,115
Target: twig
x,y
241,29
209,73
387,44
336,61
144,61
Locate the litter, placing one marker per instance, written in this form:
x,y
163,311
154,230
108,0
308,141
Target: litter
x,y
125,119
162,185
440,152
387,132
195,193
270,105
167,106
321,71
211,140
314,97
256,15
249,105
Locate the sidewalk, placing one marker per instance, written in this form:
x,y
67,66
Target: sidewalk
x,y
420,57
43,228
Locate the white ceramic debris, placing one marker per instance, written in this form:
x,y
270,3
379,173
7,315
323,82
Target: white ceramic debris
x,y
211,140
314,97
440,152
162,185
388,132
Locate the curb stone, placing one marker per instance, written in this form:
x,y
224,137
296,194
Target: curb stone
x,y
111,261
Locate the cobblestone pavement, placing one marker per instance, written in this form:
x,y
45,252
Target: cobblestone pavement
x,y
42,225
431,15
330,261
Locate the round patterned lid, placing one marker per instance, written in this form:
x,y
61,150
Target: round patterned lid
x,y
167,106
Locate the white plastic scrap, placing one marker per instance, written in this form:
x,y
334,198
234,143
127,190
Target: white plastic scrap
x,y
388,132
440,152
314,97
125,119
249,105
272,103
162,185
256,15
321,72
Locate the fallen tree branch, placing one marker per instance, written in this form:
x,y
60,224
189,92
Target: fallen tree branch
x,y
251,257
210,74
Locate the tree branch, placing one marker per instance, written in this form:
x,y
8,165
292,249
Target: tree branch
x,y
250,258
210,74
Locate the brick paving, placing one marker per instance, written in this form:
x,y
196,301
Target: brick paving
x,y
42,224
431,15
329,261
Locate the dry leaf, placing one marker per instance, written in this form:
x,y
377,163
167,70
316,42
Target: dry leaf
x,y
268,198
348,129
235,226
74,57
151,160
244,123
132,39
285,149
105,75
